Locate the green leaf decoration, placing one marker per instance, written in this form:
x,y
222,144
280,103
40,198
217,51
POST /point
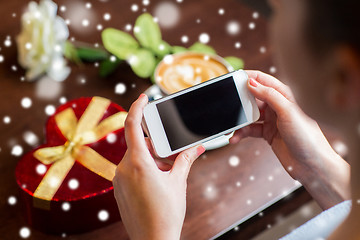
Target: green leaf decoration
x,y
147,32
92,54
202,48
235,62
152,79
163,49
119,43
108,66
178,49
143,63
71,53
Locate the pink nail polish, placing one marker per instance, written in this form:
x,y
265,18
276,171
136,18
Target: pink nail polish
x,y
200,150
253,83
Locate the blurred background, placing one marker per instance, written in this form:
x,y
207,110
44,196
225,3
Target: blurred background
x,y
236,192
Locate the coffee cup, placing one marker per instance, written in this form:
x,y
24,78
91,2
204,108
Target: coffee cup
x,y
182,70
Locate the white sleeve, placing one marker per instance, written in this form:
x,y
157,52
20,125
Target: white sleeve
x,y
321,226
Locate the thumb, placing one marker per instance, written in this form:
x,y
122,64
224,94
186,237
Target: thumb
x,y
185,159
278,102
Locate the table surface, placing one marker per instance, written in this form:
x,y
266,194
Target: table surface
x,y
220,194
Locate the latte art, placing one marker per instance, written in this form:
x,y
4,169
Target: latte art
x,y
181,71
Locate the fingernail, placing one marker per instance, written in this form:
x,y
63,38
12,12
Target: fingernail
x,y
200,150
253,83
234,139
142,95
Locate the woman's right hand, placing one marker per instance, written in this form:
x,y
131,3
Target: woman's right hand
x,y
297,141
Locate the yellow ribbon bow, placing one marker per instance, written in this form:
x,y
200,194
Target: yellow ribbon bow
x,y
87,130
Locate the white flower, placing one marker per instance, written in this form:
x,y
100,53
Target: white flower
x,y
41,42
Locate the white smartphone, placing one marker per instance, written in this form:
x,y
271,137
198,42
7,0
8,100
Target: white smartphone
x,y
200,113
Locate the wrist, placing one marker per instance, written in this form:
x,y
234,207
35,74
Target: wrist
x,y
327,179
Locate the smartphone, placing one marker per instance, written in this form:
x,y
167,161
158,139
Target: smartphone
x,y
200,113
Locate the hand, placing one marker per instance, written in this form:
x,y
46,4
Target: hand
x,y
152,202
297,141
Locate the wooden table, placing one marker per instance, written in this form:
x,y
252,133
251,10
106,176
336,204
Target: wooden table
x,y
225,187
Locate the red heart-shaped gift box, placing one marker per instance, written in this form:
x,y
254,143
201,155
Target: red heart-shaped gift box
x,y
84,199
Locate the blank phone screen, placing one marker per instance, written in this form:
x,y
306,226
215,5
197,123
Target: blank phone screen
x,y
201,113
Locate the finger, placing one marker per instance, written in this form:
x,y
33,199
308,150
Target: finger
x,y
163,166
270,81
278,102
185,159
253,130
152,151
134,134
150,147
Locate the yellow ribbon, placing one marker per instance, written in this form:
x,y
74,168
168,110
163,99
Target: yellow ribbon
x,y
78,133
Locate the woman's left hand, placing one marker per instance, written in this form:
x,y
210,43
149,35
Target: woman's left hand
x,y
152,202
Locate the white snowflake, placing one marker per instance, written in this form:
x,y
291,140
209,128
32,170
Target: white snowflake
x,y
48,89
99,27
263,49
30,138
12,200
234,161
112,58
24,232
62,100
272,69
210,191
6,119
88,5
50,110
103,215
73,184
111,138
1,58
65,206
204,38
17,150
233,27
168,14
184,39
107,16
128,27
221,11
120,88
252,26
168,59
85,22
40,169
7,43
134,7
237,45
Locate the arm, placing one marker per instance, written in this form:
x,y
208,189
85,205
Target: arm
x,y
150,194
297,141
